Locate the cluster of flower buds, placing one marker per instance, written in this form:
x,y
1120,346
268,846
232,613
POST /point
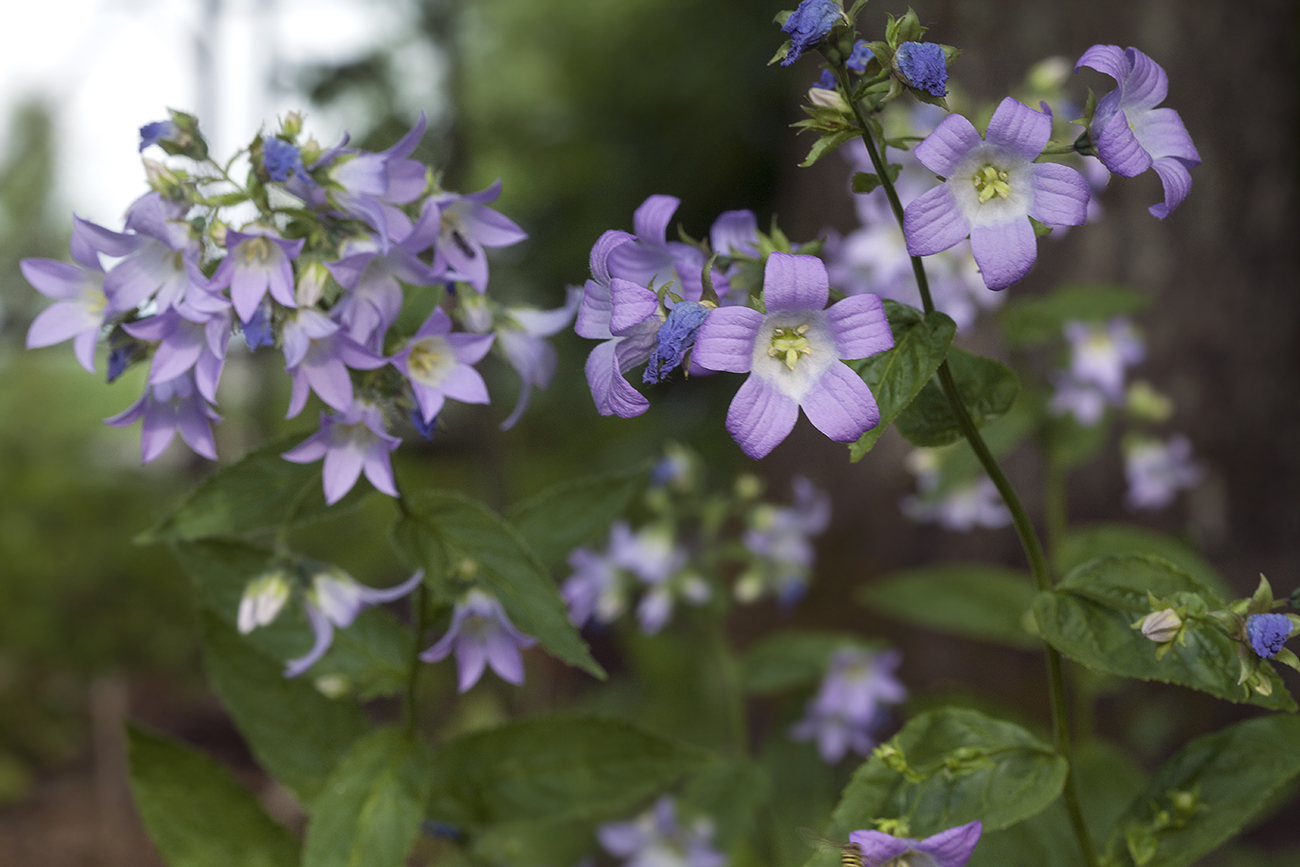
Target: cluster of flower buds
x,y
850,705
317,264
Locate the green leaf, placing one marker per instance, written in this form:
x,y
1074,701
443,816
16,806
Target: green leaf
x,y
972,767
257,493
1082,544
533,844
973,600
1028,322
1088,617
898,375
957,464
731,794
865,182
576,512
826,144
197,814
372,657
444,529
791,658
296,733
1232,773
225,200
554,768
369,812
988,388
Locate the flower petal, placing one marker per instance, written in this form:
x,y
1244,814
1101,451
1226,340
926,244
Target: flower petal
x,y
795,283
840,405
953,847
612,393
341,470
1146,85
1118,147
1162,134
878,847
1060,195
934,222
945,147
650,221
1106,59
1004,251
760,417
726,339
1018,128
630,304
860,326
1177,181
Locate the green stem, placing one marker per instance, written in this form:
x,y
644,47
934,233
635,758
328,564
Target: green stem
x,y
1020,518
419,602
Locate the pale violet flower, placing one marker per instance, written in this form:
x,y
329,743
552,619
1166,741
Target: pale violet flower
x,y
961,507
1100,354
258,262
657,839
465,226
334,599
779,539
350,442
1156,471
439,364
597,589
950,848
81,306
850,703
653,556
480,635
175,405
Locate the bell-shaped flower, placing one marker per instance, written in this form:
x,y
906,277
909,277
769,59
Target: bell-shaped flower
x,y
657,839
317,356
961,507
168,407
1132,135
598,588
350,441
1100,354
335,599
258,262
439,364
369,186
652,257
189,336
465,226
160,259
794,356
78,289
480,635
1156,471
992,188
950,848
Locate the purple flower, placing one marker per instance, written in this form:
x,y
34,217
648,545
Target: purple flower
x,y
1099,354
82,306
189,337
950,848
465,226
159,130
653,556
259,329
849,704
809,24
735,233
860,57
280,159
674,339
1157,471
793,355
655,839
481,634
372,184
1083,400
597,588
1132,135
160,259
350,441
317,355
924,66
651,257
993,187
961,508
257,262
335,598
826,81
168,407
780,540
1267,633
438,364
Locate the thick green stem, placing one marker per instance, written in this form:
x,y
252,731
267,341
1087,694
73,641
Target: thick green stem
x,y
1020,518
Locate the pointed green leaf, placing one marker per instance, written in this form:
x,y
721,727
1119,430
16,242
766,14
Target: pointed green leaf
x,y
1089,542
554,768
988,388
1089,616
444,529
1036,320
197,814
865,182
826,144
575,512
1232,773
988,603
368,813
898,375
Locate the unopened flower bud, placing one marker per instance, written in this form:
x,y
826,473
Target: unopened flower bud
x,y
312,278
1162,626
217,232
291,125
825,98
1147,404
160,178
1050,73
263,598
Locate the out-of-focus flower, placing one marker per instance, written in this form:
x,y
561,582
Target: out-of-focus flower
x,y
849,704
82,306
262,601
657,839
481,634
780,540
597,588
168,407
1157,471
960,507
335,599
950,848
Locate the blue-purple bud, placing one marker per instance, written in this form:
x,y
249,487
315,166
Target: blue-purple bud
x,y
160,130
424,428
808,25
924,66
1267,633
675,337
280,158
827,81
860,57
258,330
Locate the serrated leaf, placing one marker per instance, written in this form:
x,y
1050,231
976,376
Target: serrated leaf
x,y
791,658
369,812
972,600
444,528
1020,777
1088,617
553,769
296,733
826,144
575,512
1028,322
898,375
197,814
1233,772
988,389
259,492
1089,542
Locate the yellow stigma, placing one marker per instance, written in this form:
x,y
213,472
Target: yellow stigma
x,y
256,250
991,181
430,360
791,343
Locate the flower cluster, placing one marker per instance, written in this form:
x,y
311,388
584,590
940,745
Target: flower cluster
x,y
1157,470
1100,353
849,706
778,543
317,264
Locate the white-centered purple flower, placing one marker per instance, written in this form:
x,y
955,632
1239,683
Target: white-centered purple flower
x,y
794,356
166,408
1132,135
651,257
657,839
335,599
598,588
481,635
850,703
317,355
369,186
81,306
1101,353
350,442
439,364
992,188
465,226
189,336
258,262
1156,471
160,259
961,507
950,848
779,539
1267,633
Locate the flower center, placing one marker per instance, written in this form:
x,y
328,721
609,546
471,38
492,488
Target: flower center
x,y
991,181
430,360
790,343
256,251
